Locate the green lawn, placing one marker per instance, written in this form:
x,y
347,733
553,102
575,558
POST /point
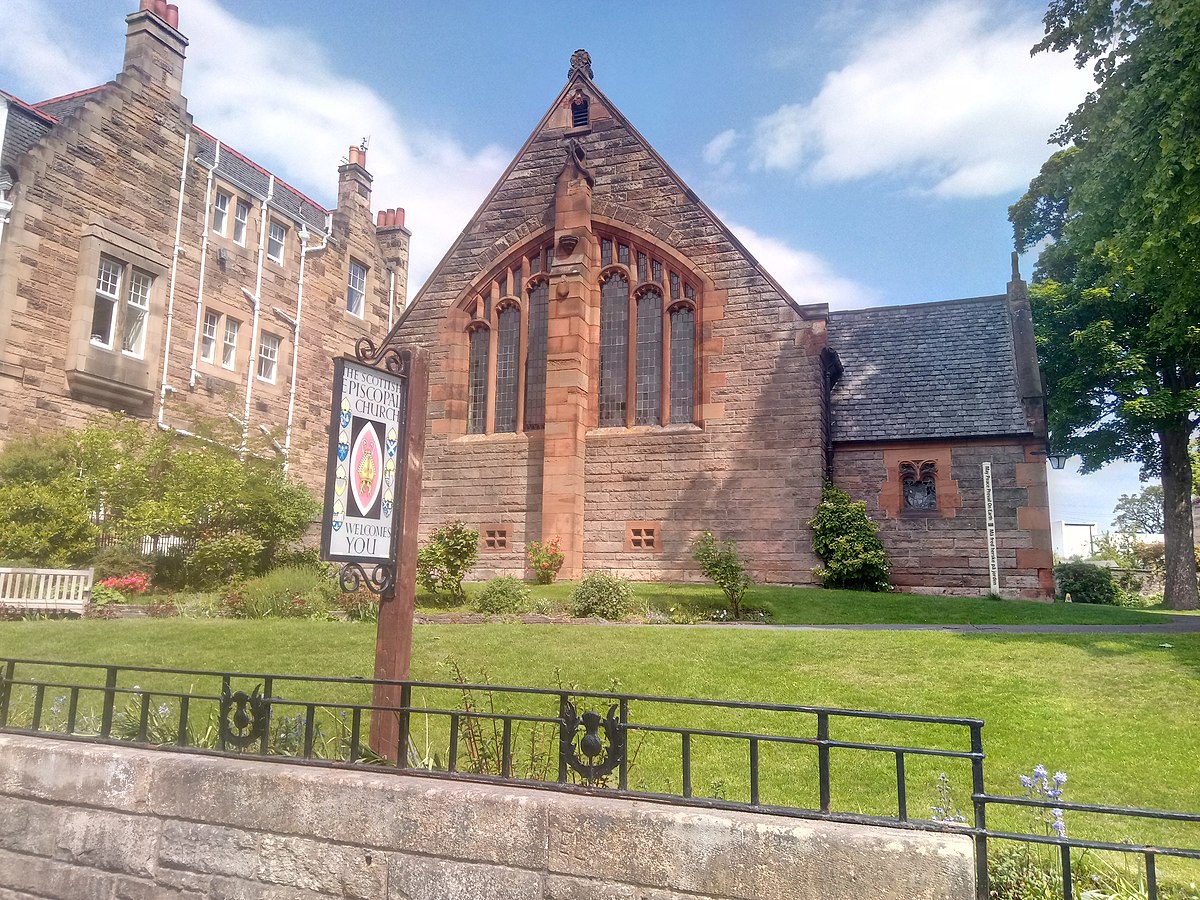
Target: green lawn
x,y
1119,713
816,606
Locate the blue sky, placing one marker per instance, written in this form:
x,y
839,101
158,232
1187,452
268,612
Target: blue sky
x,y
866,152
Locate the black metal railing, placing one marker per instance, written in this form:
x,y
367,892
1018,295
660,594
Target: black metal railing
x,y
781,759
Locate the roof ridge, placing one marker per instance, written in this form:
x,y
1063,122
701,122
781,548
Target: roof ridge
x,y
69,96
925,303
29,107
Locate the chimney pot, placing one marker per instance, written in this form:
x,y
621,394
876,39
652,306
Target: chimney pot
x,y
353,156
379,217
146,6
173,15
160,9
399,217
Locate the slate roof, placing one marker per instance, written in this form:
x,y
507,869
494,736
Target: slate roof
x,y
245,173
29,123
928,370
25,127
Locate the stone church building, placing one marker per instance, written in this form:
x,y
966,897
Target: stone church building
x,y
147,267
610,366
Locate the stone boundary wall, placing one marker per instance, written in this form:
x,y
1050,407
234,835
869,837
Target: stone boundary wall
x,y
85,821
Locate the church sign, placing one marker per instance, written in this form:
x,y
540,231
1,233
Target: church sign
x,y
367,432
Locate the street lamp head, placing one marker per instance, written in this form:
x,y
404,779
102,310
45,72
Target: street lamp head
x,y
1057,460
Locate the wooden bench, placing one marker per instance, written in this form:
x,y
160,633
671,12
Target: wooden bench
x,y
46,590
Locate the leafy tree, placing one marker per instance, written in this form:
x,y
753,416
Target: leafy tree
x,y
1116,296
135,481
1140,513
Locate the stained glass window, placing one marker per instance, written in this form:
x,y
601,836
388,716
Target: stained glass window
x,y
508,354
657,269
649,360
643,268
535,359
674,286
683,364
623,254
606,256
614,349
919,484
477,382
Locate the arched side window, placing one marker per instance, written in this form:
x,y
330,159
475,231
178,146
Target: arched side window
x,y
648,371
508,354
614,349
683,364
535,360
477,379
918,484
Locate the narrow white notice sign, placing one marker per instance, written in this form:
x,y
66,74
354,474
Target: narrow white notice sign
x,y
990,509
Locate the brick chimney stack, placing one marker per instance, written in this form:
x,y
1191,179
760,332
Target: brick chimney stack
x,y
154,46
354,183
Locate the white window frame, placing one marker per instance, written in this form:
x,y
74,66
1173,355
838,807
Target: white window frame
x,y
109,294
241,222
356,289
268,353
281,241
136,309
221,212
208,336
229,342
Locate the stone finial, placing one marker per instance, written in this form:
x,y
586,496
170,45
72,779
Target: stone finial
x,y
581,61
1016,267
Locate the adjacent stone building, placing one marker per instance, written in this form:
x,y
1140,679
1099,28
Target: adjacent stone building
x,y
149,268
610,366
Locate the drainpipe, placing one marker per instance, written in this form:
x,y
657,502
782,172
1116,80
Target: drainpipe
x,y
391,295
295,325
162,388
212,170
256,303
5,202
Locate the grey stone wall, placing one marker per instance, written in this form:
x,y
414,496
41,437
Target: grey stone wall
x,y
85,821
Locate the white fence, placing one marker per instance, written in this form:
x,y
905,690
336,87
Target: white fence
x,y
46,590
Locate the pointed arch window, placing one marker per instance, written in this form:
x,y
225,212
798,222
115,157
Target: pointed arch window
x,y
477,378
535,360
683,363
648,369
508,350
918,484
614,349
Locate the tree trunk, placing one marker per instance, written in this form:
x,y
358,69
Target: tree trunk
x,y
1179,592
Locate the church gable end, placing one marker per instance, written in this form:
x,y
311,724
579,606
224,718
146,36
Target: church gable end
x,y
604,351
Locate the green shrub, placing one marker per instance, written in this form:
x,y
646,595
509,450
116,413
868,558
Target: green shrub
x,y
218,559
501,596
286,593
170,570
602,595
103,596
848,543
1086,583
445,559
724,568
545,559
116,561
47,524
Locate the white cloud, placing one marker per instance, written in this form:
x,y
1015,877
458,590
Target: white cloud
x,y
804,275
718,148
34,50
945,97
272,94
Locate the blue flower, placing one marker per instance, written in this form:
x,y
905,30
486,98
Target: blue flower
x,y
1060,778
1026,781
1039,771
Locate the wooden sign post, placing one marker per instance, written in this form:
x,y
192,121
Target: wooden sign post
x,y
373,506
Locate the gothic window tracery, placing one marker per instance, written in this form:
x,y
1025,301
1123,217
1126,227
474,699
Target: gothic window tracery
x,y
918,485
647,341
